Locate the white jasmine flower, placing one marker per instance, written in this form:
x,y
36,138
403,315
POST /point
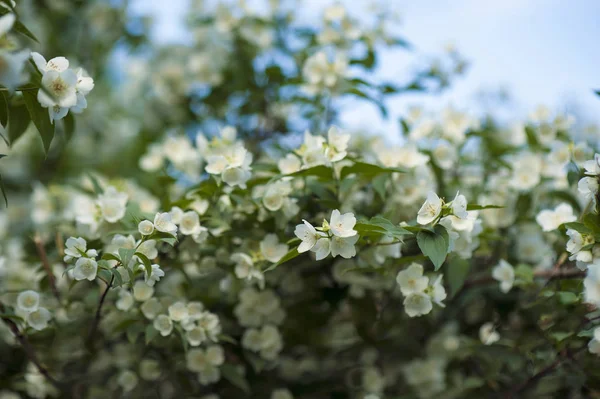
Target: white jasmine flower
x,y
28,301
407,156
38,319
190,223
576,241
334,12
163,324
592,167
322,248
309,236
147,248
163,223
151,308
125,301
319,72
343,246
85,269
488,334
233,165
271,249
289,164
12,65
445,154
505,274
459,206
58,64
142,291
146,227
417,304
337,144
178,311
550,219
591,284
60,87
75,248
430,210
438,292
195,336
155,276
245,269
113,204
411,279
6,23
342,225
594,344
176,214
128,380
150,369
200,360
526,172
276,195
588,187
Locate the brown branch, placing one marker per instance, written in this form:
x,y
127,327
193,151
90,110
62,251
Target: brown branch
x,y
96,321
29,350
551,274
565,355
39,245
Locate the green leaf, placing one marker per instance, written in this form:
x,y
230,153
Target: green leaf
x,y
378,184
3,189
233,375
367,169
380,226
560,336
133,332
289,256
11,316
18,120
96,184
321,171
524,274
40,117
578,226
150,333
567,298
457,270
146,261
227,338
164,237
69,126
104,274
110,256
18,25
22,29
592,221
126,254
118,281
434,245
475,207
206,188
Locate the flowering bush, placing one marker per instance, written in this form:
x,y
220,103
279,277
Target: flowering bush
x,y
206,228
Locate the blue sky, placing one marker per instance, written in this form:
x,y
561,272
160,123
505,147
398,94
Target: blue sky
x,y
541,51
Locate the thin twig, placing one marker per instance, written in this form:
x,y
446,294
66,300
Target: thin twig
x,y
552,274
29,350
531,381
39,245
99,311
